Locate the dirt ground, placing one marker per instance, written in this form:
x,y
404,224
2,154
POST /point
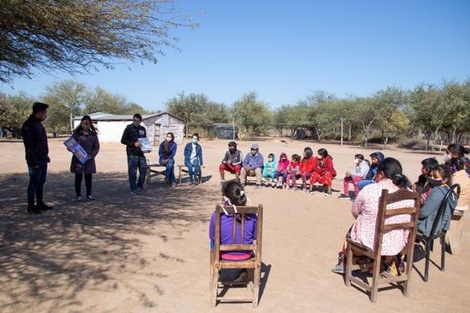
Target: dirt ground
x,y
150,253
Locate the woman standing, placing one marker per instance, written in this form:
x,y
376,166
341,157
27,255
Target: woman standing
x,y
86,135
166,153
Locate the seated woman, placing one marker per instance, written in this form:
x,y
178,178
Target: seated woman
x,y
166,153
234,195
323,171
365,208
193,158
306,167
422,186
439,180
460,169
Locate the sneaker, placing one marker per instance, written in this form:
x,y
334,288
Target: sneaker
x,y
79,199
90,198
338,269
326,194
196,183
343,196
44,207
258,186
173,185
34,210
311,192
142,189
222,182
134,193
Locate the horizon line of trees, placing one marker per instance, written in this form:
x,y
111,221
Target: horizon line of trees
x,y
427,113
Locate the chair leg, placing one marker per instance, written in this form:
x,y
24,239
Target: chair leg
x,y
214,288
428,248
443,253
348,266
256,283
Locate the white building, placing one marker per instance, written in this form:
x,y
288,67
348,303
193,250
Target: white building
x,y
111,126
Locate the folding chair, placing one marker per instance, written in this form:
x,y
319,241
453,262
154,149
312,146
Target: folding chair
x,y
253,264
427,241
383,226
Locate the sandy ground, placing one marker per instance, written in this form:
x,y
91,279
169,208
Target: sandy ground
x,y
150,253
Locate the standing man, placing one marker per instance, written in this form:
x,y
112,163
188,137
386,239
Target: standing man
x,y
37,156
135,156
252,166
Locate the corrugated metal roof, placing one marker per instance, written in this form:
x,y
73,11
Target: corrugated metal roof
x,y
102,116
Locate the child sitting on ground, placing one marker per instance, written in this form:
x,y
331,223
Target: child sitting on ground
x,y
269,170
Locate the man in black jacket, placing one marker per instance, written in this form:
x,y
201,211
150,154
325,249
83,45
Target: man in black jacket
x,y
36,148
135,156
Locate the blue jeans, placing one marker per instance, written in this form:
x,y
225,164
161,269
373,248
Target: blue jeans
x,y
170,171
364,182
134,162
37,178
193,169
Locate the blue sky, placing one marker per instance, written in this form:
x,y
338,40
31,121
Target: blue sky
x,y
286,50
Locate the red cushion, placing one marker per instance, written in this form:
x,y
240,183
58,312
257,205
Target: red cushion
x,y
236,256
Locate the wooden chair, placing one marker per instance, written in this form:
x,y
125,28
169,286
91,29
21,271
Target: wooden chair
x,y
427,241
183,169
253,264
383,226
154,170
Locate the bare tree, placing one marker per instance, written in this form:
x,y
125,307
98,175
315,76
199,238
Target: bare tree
x,y
77,36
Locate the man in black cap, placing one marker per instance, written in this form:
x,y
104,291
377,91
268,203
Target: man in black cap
x,y
36,148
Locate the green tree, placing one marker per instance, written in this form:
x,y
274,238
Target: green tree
x,y
291,117
187,107
252,114
14,110
78,36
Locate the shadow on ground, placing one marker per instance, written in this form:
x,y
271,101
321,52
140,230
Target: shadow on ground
x,y
77,246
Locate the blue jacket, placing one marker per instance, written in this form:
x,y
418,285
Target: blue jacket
x,y
187,152
256,161
373,167
171,153
428,211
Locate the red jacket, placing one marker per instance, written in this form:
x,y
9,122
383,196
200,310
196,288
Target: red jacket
x,y
324,165
307,165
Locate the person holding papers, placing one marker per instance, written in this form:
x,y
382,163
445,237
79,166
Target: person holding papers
x,y
86,136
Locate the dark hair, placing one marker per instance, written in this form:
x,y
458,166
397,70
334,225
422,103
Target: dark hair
x,y
196,135
458,149
137,115
39,106
391,168
429,163
322,152
296,157
79,128
308,152
172,136
359,156
234,191
232,144
271,155
374,155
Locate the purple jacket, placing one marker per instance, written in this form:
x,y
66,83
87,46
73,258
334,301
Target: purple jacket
x,y
226,224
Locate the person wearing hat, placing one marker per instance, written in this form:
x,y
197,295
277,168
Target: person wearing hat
x,y
253,165
232,162
37,156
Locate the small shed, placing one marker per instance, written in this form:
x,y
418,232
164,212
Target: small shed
x,y
111,126
224,131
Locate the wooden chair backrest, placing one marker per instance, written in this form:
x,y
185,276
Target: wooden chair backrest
x,y
384,224
240,213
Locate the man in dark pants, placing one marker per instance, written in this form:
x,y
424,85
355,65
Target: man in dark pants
x,y
135,156
36,148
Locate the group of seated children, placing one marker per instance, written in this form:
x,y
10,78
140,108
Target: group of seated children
x,y
311,170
